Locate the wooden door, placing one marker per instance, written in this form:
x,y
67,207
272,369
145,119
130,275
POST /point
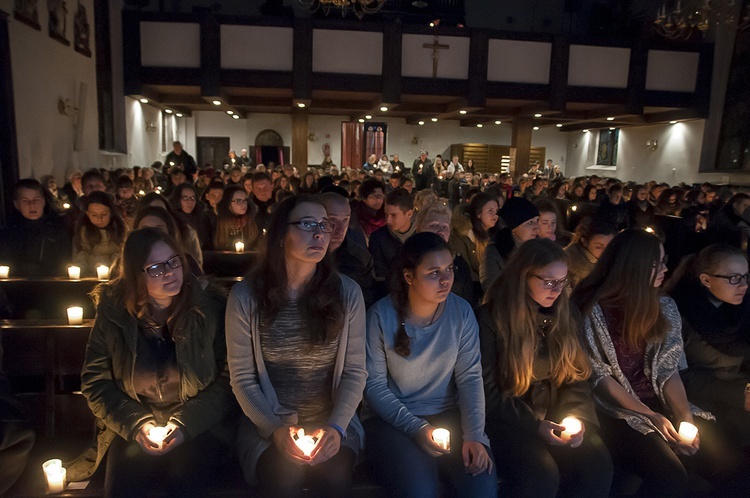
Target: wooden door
x,y
211,150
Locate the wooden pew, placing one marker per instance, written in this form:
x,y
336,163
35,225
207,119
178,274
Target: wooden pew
x,y
45,298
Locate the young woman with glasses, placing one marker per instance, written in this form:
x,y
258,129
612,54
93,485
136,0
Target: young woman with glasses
x,y
235,221
634,343
155,362
424,374
296,342
535,377
710,290
189,209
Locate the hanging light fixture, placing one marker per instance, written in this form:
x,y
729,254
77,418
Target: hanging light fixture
x,y
359,7
682,22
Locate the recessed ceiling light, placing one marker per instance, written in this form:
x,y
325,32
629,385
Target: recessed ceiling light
x,y
230,112
537,115
168,111
585,131
216,102
462,111
361,120
301,105
179,114
236,116
479,125
368,116
144,101
434,120
673,122
421,123
559,125
498,122
384,109
610,118
536,128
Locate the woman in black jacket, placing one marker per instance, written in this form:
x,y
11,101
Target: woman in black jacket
x,y
540,414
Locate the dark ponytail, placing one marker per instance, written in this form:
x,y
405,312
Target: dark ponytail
x,y
414,250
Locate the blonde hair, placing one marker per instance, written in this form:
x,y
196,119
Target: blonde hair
x,y
514,314
434,208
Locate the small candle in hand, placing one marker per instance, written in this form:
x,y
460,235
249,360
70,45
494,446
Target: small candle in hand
x,y
239,246
688,432
305,443
54,474
74,272
75,315
572,427
102,272
157,434
442,438
4,271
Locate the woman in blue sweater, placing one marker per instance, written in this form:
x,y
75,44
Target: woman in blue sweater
x,y
424,373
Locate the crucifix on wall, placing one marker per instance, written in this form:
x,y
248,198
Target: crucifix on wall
x,y
435,46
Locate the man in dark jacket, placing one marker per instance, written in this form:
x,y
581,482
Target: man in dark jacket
x,y
178,157
386,242
36,243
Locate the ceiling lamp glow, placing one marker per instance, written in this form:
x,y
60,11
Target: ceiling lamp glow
x,y
360,8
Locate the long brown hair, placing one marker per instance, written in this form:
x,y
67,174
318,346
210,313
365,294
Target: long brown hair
x,y
226,220
515,316
624,278
129,287
87,233
473,210
322,299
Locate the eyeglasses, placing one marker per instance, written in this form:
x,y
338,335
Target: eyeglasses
x,y
734,279
661,263
553,284
239,201
311,226
157,270
188,198
376,196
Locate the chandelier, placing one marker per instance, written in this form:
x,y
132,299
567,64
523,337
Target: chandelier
x,y
681,23
358,7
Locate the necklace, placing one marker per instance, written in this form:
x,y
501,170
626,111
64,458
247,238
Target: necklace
x,y
432,320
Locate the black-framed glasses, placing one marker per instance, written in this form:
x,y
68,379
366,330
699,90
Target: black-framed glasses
x,y
240,201
553,284
157,269
188,198
735,279
311,226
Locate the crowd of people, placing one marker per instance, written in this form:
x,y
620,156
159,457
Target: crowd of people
x,y
388,302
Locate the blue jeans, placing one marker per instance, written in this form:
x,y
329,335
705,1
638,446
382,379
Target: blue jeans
x,y
405,470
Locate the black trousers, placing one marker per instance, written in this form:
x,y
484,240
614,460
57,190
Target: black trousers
x,y
717,469
16,442
187,471
280,478
529,467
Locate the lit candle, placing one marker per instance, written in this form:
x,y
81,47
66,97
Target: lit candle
x,y
141,193
649,230
102,272
574,208
66,205
572,427
239,246
74,272
75,315
4,271
305,443
688,432
55,474
157,434
443,438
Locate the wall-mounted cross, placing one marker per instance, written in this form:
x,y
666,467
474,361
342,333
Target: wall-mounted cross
x,y
435,46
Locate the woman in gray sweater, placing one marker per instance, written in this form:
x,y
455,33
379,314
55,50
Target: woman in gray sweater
x,y
424,373
296,354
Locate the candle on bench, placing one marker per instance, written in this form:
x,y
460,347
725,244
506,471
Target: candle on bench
x,y
75,315
54,474
442,437
239,246
102,272
4,271
572,427
74,272
305,443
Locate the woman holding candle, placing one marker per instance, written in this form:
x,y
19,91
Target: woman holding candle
x,y
711,293
235,221
156,357
633,340
535,374
99,234
424,373
295,336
